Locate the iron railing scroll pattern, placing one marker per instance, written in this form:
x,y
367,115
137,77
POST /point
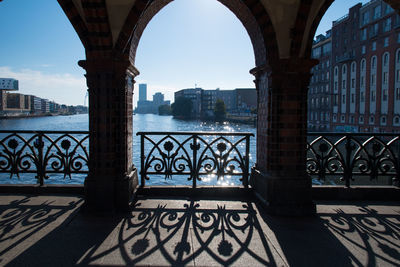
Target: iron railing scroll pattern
x,y
197,155
44,152
354,156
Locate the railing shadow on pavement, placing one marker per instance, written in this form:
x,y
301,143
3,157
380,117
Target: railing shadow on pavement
x,y
176,232
23,219
340,236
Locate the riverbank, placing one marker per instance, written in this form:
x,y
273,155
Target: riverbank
x,y
24,116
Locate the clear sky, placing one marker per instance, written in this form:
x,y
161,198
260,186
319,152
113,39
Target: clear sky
x,y
188,42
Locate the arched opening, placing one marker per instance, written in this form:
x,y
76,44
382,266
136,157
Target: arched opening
x,y
203,54
39,53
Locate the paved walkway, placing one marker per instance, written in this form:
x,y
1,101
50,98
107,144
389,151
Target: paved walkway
x,y
51,231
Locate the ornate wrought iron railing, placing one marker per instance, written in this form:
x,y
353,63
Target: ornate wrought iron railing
x,y
197,155
44,152
354,158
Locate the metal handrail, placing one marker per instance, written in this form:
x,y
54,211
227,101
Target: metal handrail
x,y
194,156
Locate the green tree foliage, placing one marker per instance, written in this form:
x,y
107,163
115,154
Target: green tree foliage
x,y
164,110
219,110
182,107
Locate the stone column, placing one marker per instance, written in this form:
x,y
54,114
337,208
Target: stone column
x,y
279,177
112,177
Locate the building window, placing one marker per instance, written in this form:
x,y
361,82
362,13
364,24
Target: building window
x,y
371,119
336,68
398,56
398,38
385,95
363,50
327,88
398,76
388,9
335,99
365,17
361,120
397,93
327,75
335,86
363,64
327,63
372,79
334,118
344,84
351,119
344,70
362,81
362,97
396,120
387,25
383,120
377,12
353,67
385,77
342,118
386,42
373,96
364,34
343,99
385,59
373,46
352,98
373,63
353,83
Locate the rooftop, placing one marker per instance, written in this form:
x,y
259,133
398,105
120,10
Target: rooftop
x,y
51,230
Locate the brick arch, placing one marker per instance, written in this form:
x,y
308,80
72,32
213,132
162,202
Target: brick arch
x,y
251,13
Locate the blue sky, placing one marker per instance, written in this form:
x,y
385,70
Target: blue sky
x,y
188,42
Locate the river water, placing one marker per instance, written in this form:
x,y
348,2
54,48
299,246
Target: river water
x,y
141,122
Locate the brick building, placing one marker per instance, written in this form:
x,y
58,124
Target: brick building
x,y
366,70
319,96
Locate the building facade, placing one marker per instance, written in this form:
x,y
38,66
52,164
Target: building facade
x,y
356,85
238,101
320,90
366,69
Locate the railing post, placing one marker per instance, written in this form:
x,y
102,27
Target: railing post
x,y
347,168
40,166
195,173
142,158
246,171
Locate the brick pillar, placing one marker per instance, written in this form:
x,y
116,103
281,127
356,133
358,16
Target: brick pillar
x,y
112,177
279,177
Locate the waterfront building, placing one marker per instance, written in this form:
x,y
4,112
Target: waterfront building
x,y
45,105
366,69
238,101
195,95
36,104
246,100
319,93
9,84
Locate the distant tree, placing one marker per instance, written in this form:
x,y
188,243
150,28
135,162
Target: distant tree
x,y
182,107
164,110
219,110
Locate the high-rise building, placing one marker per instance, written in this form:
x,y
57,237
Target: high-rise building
x,y
142,92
